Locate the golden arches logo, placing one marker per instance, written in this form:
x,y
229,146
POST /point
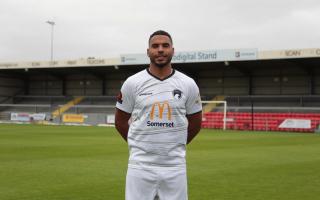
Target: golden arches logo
x,y
161,107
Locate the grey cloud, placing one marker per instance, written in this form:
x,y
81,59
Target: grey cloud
x,y
108,28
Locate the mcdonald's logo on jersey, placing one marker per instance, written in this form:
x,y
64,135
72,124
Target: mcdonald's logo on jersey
x,y
158,112
161,107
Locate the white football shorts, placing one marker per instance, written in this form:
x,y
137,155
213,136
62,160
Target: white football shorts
x,y
153,183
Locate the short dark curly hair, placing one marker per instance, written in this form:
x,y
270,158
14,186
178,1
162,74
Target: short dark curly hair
x,y
160,32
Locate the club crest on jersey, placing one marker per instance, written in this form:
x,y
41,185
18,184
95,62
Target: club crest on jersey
x,y
119,98
177,94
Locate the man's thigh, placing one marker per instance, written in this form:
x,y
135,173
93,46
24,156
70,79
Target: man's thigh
x,y
140,184
173,185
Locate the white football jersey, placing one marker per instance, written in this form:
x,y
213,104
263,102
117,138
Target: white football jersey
x,y
158,130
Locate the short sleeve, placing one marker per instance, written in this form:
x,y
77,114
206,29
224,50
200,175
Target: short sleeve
x,y
125,98
193,104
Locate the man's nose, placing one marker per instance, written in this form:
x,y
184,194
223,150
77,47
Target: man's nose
x,y
160,48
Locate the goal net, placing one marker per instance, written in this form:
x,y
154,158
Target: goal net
x,y
214,114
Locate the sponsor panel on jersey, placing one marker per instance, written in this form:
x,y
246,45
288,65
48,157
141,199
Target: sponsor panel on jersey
x,y
157,115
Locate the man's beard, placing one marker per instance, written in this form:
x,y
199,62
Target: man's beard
x,y
161,65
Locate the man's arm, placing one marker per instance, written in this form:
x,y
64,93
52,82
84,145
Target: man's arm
x,y
121,123
194,125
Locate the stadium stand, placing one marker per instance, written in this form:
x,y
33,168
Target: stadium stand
x,y
273,85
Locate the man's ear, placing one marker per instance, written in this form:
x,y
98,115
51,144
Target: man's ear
x,y
148,52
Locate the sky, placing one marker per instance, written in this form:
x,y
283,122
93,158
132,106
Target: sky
x,y
110,28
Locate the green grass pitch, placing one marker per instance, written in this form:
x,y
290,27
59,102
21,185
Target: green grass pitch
x,y
89,163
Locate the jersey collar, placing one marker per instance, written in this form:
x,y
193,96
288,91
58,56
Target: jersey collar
x,y
165,78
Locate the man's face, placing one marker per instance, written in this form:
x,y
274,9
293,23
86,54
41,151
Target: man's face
x,y
160,50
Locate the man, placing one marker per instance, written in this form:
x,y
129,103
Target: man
x,y
165,110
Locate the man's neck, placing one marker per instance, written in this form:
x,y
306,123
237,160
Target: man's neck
x,y
159,72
